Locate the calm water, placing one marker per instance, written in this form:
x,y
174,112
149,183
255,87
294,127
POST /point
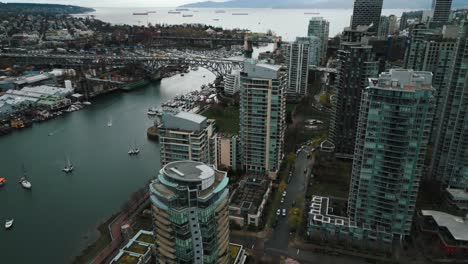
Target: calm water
x,y
57,218
288,23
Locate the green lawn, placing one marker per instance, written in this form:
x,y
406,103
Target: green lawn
x,y
328,189
94,249
227,118
331,177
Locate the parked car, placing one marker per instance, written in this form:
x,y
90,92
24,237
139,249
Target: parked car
x,y
282,200
278,212
284,194
284,212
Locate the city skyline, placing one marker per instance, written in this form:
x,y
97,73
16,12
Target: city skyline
x,y
187,139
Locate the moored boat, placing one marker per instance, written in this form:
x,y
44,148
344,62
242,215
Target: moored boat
x,y
68,167
9,224
2,181
24,181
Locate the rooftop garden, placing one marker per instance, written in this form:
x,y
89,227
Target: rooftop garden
x,y
137,248
146,238
233,251
127,259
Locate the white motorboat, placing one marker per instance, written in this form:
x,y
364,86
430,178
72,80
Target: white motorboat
x,y
25,183
9,223
152,112
68,167
87,103
109,123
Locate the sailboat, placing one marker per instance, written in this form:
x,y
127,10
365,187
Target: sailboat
x,y
109,123
134,150
9,224
68,167
24,182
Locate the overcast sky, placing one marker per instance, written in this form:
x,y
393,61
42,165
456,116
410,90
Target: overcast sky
x,y
102,3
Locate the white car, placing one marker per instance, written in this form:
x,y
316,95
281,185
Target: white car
x,y
278,212
282,200
284,194
284,212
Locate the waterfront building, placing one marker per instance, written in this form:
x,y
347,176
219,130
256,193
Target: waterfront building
x,y
441,10
262,117
50,97
356,63
366,13
232,82
391,141
297,61
319,28
189,201
186,136
450,157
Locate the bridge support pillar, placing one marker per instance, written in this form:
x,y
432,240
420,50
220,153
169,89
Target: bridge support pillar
x,y
156,75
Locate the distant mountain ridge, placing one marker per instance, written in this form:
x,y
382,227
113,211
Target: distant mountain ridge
x,y
324,4
15,8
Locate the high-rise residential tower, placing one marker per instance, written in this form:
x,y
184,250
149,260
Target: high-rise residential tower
x,y
383,27
450,158
441,10
356,63
366,13
262,117
232,82
186,136
319,27
392,24
433,50
189,201
297,61
391,141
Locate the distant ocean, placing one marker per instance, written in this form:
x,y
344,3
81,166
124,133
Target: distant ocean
x,y
288,23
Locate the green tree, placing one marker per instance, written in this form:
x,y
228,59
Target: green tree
x,y
282,186
291,158
295,218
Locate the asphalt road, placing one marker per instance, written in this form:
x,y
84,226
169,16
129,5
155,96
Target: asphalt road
x,y
277,244
295,189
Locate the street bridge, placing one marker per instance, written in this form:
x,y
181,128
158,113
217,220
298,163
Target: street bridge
x,y
220,67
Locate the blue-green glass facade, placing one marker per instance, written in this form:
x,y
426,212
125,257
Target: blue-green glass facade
x,y
391,140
